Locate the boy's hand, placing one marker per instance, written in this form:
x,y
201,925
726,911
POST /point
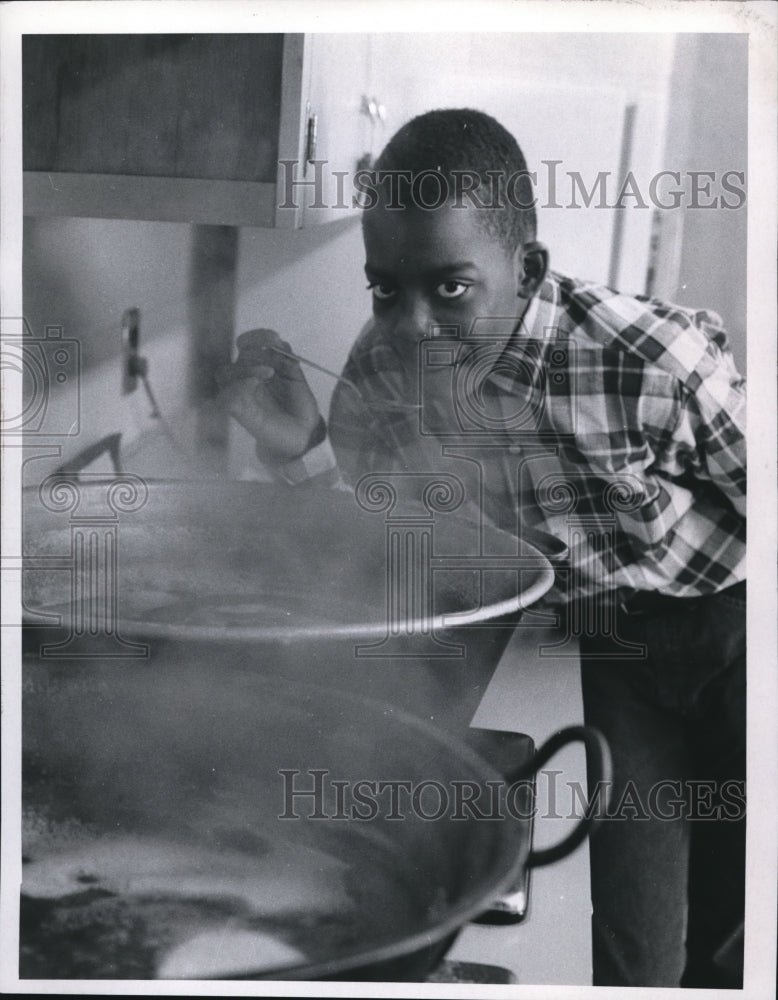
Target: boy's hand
x,y
268,395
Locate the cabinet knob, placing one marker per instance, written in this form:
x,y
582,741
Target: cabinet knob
x,y
369,107
374,109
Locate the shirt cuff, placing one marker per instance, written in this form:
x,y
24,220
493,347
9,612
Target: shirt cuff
x,y
319,462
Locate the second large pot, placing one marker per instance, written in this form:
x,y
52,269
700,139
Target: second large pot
x,y
181,824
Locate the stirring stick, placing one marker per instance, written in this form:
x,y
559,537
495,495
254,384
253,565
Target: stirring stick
x,y
340,378
318,367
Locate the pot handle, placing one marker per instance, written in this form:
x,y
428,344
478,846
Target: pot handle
x,y
600,777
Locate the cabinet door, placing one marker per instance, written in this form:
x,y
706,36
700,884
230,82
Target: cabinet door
x,y
175,127
406,71
158,105
336,128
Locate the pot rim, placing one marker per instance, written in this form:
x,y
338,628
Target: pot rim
x,y
287,632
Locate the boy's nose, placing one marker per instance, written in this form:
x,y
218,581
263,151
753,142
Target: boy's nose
x,y
414,321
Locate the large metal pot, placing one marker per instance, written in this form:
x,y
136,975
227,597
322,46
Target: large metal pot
x,y
164,834
398,593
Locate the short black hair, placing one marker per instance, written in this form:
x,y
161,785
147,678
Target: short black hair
x,y
453,142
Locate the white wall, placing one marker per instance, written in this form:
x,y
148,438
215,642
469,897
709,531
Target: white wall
x,y
81,274
703,250
310,287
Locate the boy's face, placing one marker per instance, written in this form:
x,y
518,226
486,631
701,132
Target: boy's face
x,y
436,268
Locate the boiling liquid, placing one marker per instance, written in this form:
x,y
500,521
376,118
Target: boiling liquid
x,y
142,908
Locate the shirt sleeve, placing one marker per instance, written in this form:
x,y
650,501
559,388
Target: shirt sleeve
x,y
360,439
683,476
318,463
712,423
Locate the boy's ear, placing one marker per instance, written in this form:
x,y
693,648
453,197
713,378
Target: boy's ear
x,y
532,266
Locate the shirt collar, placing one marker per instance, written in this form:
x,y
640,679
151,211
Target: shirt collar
x,y
538,318
542,313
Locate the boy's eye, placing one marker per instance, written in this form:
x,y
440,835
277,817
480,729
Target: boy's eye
x,y
451,289
381,292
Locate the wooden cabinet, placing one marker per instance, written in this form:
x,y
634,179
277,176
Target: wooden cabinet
x,y
191,128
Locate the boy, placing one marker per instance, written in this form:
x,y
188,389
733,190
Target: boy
x,y
615,423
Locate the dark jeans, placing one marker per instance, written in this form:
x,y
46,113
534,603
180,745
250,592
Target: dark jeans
x,y
668,876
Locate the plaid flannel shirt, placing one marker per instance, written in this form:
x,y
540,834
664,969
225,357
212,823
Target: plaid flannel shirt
x,y
614,422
